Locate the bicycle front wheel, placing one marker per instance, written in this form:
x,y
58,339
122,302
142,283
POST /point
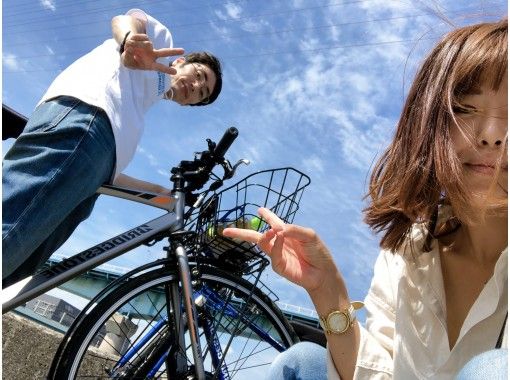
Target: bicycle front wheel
x,y
129,334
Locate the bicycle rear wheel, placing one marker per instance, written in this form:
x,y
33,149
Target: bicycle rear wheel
x,y
241,331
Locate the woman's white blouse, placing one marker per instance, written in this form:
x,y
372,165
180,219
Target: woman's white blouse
x,y
405,336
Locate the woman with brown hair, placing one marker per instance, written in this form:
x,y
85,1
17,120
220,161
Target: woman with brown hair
x,y
439,196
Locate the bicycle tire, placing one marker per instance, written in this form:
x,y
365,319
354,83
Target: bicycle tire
x,y
77,359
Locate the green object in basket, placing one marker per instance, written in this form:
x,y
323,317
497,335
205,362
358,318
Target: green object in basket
x,y
210,231
256,223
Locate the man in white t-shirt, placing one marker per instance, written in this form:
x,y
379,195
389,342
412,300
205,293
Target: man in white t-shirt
x,y
85,131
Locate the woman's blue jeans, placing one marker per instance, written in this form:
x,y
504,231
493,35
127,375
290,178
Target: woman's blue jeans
x,y
302,361
49,180
307,361
489,365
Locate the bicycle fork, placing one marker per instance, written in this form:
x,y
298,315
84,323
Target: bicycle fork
x,y
165,341
170,347
191,311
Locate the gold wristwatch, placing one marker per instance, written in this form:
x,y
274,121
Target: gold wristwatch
x,y
339,321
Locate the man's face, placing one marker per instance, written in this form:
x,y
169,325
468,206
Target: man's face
x,y
193,82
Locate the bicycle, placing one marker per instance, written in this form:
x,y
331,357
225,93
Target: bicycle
x,y
200,313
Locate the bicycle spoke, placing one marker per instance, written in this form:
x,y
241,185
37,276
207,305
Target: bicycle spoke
x,y
236,328
150,322
246,358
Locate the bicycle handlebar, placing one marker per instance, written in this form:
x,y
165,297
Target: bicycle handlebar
x,y
226,141
193,175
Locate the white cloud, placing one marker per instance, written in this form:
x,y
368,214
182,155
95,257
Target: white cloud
x,y
221,31
221,15
344,95
233,10
361,133
335,33
254,26
360,82
242,86
313,164
10,61
48,4
253,154
153,161
380,6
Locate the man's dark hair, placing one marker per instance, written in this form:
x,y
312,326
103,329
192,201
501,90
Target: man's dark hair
x,y
214,64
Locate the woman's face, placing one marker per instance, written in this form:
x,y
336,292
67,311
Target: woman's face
x,y
480,139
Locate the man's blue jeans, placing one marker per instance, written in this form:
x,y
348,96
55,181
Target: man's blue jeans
x,y
49,179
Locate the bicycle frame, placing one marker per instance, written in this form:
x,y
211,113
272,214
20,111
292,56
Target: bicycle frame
x,y
171,222
73,266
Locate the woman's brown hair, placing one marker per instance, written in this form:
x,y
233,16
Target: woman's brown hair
x,y
421,167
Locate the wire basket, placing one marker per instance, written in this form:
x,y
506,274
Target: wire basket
x,y
279,190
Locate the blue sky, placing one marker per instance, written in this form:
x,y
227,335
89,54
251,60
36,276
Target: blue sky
x,y
316,85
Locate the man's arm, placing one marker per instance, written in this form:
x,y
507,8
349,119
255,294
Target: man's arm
x,y
126,23
138,53
133,183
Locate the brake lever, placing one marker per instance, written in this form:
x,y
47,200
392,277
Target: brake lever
x,y
231,171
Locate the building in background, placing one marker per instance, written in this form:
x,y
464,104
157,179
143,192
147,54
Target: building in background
x,y
54,308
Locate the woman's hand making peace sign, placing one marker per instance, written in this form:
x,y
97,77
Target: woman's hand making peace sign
x,y
297,253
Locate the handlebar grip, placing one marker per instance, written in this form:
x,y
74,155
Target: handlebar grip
x,y
228,138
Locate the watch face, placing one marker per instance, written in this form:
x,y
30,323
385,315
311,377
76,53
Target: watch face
x,y
338,321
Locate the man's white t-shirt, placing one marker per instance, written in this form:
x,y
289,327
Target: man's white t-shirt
x,y
100,79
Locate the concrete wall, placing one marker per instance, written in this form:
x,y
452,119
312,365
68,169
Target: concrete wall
x,y
27,348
